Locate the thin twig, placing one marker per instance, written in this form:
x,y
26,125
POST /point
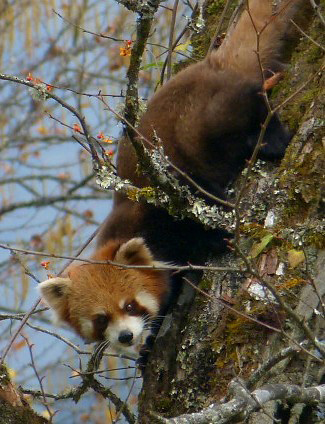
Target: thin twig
x,y
256,376
74,111
217,31
96,34
34,306
178,39
248,317
173,166
306,35
171,40
318,11
158,267
39,379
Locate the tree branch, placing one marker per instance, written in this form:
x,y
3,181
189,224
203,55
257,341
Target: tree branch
x,y
244,403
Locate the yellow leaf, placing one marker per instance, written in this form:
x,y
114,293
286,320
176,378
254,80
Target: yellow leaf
x,y
12,373
46,413
19,345
182,47
295,257
24,285
42,130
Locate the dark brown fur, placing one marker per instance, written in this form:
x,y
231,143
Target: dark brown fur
x,y
208,117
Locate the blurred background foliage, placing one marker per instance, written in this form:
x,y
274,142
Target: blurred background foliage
x,y
49,200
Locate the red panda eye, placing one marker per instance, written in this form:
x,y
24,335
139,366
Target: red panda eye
x,y
133,308
129,307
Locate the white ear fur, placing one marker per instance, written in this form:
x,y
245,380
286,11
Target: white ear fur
x,y
55,291
134,252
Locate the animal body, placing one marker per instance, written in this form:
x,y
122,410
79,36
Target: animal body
x,y
208,118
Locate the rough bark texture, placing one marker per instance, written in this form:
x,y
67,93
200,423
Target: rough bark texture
x,y
202,345
14,409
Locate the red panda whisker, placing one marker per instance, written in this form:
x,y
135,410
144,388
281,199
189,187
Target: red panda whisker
x,y
100,352
146,317
100,348
147,326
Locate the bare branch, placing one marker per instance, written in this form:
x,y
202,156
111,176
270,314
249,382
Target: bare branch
x,y
34,306
40,380
124,266
171,40
318,11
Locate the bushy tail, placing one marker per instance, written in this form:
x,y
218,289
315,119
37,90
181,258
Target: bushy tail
x,y
239,49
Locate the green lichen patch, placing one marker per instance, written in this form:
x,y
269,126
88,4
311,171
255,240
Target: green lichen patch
x,y
239,344
215,6
4,376
211,14
315,238
307,58
136,194
302,175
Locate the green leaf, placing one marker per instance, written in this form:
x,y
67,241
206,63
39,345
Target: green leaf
x,y
152,65
257,248
182,47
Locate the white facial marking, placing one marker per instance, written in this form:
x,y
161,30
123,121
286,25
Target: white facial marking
x,y
133,324
148,301
86,328
55,318
121,303
54,293
99,312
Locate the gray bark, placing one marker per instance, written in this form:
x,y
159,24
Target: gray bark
x,y
203,345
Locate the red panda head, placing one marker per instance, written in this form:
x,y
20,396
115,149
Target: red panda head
x,y
107,302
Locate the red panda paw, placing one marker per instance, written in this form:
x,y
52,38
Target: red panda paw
x,y
145,351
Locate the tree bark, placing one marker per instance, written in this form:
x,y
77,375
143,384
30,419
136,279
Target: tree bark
x,y
202,345
14,409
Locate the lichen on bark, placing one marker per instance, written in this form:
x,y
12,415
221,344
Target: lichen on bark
x,y
14,409
202,346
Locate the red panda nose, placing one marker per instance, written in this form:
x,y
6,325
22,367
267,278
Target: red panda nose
x,y
125,336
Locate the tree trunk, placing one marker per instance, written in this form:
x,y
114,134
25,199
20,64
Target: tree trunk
x,y
14,409
202,344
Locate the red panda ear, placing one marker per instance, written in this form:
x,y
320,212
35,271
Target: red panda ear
x,y
55,293
134,252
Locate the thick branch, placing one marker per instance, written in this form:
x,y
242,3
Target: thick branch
x,y
245,402
146,11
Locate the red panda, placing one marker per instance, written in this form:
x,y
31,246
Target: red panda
x,y
209,118
105,302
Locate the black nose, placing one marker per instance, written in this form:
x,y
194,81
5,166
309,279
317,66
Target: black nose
x,y
125,336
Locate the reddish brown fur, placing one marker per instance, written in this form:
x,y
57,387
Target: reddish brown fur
x,y
239,49
93,298
102,286
208,118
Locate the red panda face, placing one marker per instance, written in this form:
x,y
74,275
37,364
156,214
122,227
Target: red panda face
x,y
106,302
